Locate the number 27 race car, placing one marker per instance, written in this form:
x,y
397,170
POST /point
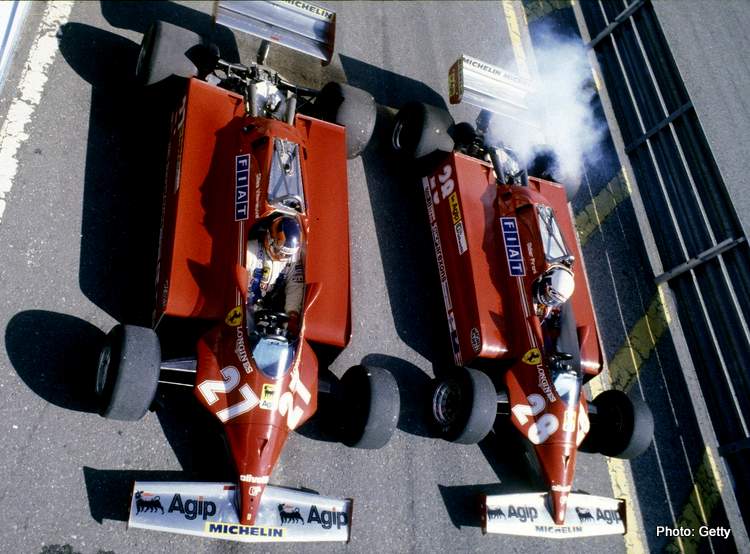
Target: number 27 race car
x,y
254,252
522,325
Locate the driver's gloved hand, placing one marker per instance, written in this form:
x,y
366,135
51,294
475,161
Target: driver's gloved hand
x,y
292,326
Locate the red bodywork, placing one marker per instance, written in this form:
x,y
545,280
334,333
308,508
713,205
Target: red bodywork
x,y
487,291
201,271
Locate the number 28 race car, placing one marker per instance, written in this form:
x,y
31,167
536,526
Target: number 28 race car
x,y
255,166
519,309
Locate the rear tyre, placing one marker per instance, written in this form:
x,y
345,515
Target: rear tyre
x,y
128,372
352,108
164,52
464,407
621,427
421,130
371,407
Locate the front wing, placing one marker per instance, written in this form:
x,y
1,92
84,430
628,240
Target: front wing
x,y
209,510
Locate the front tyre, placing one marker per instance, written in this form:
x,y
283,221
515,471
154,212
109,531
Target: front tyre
x,y
352,108
128,372
464,406
621,427
371,407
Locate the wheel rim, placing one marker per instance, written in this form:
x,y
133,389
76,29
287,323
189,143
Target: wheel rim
x,y
396,137
446,403
102,368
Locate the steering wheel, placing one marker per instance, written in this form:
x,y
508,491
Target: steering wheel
x,y
270,324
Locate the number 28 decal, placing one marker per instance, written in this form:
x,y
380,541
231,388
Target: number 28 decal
x,y
545,426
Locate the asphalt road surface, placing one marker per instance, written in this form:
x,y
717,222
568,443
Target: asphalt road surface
x,y
78,238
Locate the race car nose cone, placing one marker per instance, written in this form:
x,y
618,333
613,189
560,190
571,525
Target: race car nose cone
x,y
559,506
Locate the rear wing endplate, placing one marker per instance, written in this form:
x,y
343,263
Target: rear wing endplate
x,y
491,88
296,24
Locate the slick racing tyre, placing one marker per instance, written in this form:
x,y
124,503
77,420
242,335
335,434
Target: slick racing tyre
x,y
128,372
352,108
620,428
371,407
167,50
421,130
464,406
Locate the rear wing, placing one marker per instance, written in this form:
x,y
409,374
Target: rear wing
x,y
491,88
296,24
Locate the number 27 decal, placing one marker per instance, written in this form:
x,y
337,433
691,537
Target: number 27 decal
x,y
210,390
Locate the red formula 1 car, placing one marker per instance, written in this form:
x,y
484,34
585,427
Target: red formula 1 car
x,y
248,150
519,310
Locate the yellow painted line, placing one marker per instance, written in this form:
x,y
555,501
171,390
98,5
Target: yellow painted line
x,y
704,498
516,41
601,206
639,344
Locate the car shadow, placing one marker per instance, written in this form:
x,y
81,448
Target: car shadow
x,y
55,355
401,223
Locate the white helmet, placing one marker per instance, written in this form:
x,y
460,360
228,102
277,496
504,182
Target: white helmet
x,y
555,286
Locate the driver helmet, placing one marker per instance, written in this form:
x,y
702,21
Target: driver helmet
x,y
283,238
555,286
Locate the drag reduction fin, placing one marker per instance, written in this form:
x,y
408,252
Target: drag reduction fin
x,y
527,515
209,510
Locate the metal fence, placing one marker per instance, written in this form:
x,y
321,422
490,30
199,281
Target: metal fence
x,y
697,232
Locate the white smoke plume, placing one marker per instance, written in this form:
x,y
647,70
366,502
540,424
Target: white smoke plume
x,y
561,106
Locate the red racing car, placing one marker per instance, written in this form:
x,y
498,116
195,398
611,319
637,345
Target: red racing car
x,y
254,251
522,325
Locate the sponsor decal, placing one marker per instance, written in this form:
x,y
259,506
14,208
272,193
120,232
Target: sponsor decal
x,y
520,513
312,8
234,317
237,529
454,338
512,246
241,352
532,260
250,478
192,507
428,198
455,208
461,237
180,132
495,513
544,383
476,340
257,195
327,518
532,357
268,398
490,69
561,488
146,502
290,514
610,517
558,529
569,421
584,514
241,186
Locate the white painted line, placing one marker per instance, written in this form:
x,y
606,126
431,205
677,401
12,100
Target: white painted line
x,y
13,132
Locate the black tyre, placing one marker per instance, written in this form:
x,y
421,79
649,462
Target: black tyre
x,y
371,407
464,407
128,372
544,166
352,108
421,130
165,51
621,427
